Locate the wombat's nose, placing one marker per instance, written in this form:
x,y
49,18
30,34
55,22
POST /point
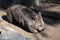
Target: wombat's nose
x,y
41,29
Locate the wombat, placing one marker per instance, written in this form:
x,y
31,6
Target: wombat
x,y
26,17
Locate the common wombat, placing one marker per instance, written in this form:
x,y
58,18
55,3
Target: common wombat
x,y
26,17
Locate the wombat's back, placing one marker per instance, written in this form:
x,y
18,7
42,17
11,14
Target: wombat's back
x,y
13,7
20,11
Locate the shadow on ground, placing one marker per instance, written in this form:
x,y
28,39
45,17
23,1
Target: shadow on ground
x,y
50,18
50,21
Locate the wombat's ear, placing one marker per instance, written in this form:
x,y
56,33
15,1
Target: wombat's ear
x,y
39,13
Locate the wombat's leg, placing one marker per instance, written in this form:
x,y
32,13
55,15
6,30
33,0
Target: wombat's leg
x,y
9,16
21,21
26,24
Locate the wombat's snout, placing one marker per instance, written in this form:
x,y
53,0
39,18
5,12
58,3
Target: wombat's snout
x,y
40,28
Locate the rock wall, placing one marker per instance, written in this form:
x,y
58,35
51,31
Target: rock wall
x,y
55,1
5,3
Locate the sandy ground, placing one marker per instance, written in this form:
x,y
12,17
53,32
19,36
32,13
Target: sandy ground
x,y
52,31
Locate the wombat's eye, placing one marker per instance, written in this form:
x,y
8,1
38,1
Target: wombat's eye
x,y
33,18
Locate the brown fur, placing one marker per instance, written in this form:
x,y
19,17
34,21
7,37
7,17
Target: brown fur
x,y
26,17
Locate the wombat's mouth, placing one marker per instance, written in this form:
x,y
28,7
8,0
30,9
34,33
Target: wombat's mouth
x,y
41,30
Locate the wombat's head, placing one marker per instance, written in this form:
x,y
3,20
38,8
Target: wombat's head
x,y
34,20
38,22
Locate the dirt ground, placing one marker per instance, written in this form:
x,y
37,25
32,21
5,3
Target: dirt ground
x,y
52,31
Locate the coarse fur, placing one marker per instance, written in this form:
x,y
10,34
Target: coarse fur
x,y
26,17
